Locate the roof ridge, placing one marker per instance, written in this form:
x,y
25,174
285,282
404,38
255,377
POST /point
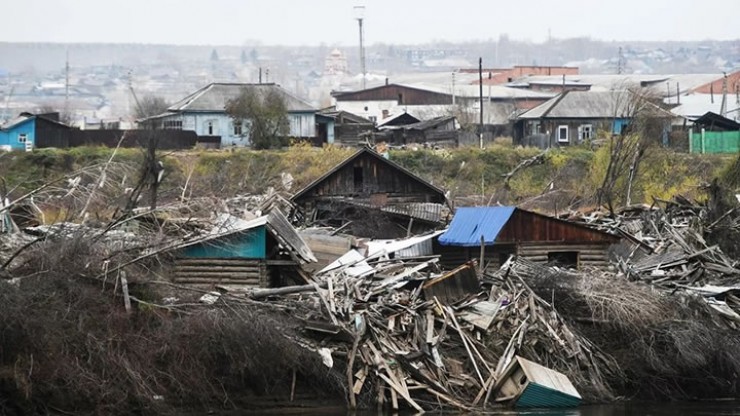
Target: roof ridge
x,y
556,101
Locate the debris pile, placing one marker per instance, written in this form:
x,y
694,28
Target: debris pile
x,y
668,343
669,248
415,337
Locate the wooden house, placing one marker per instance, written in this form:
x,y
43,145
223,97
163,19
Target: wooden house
x,y
341,127
262,252
574,117
437,131
504,231
371,196
29,131
204,112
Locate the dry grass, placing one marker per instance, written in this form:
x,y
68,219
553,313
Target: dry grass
x,y
668,345
68,345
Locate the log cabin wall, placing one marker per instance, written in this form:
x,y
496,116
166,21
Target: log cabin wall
x,y
586,255
224,271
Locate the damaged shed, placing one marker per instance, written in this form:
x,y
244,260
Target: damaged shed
x,y
262,252
368,195
507,230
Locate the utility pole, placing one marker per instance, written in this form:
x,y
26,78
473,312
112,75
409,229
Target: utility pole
x,y
66,85
453,88
678,93
480,94
360,16
723,106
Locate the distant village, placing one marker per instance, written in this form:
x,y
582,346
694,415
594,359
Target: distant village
x,y
424,97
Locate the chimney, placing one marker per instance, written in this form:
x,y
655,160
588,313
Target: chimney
x,y
678,94
386,80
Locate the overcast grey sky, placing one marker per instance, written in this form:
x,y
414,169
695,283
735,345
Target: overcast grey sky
x,y
304,22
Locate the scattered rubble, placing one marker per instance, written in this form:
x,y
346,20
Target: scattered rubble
x,y
405,330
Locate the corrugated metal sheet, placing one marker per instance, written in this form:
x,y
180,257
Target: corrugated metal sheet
x,y
470,223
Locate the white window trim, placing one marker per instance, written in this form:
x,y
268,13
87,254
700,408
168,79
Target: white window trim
x,y
22,137
590,131
240,125
560,128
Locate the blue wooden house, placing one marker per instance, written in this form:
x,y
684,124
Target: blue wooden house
x,y
29,131
260,253
204,112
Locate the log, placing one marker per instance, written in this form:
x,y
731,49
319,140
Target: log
x,y
287,290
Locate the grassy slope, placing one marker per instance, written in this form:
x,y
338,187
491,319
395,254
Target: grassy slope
x,y
471,176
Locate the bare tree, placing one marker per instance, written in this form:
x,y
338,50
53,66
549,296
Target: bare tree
x,y
265,112
645,125
150,105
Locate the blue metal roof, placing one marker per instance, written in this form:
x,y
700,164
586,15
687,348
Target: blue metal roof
x,y
470,223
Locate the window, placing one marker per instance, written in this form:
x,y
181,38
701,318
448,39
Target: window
x,y
237,128
587,131
563,134
563,258
373,118
209,128
172,124
22,138
400,98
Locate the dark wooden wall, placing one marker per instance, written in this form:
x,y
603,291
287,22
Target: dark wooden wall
x,y
367,175
526,226
402,94
49,134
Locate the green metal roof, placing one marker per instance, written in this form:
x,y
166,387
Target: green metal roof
x,y
537,395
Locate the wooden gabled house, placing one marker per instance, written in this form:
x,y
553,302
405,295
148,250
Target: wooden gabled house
x,y
370,196
507,230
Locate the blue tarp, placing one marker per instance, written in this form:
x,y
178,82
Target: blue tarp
x,y
470,223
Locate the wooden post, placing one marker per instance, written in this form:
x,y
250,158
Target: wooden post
x,y
124,289
482,256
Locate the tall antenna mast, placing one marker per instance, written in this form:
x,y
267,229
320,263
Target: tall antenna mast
x,y
360,16
621,62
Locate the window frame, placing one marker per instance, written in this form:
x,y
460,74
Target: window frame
x,y
23,138
172,124
590,128
563,127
